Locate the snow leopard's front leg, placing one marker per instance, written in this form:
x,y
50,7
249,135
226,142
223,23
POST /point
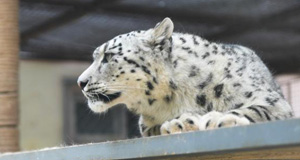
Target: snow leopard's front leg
x,y
212,120
241,116
215,119
185,123
194,122
147,131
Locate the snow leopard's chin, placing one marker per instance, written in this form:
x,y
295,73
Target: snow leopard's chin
x,y
97,106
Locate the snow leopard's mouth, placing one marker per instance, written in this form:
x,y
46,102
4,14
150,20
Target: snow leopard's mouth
x,y
106,98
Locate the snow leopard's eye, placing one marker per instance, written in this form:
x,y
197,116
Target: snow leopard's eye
x,y
107,57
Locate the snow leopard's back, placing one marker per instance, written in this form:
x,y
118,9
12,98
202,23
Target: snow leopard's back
x,y
237,70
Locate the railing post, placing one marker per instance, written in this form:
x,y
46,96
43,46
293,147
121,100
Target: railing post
x,y
9,51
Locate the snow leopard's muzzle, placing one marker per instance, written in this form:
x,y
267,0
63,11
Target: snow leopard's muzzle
x,y
106,98
97,92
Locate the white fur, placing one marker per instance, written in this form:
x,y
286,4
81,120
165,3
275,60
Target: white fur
x,y
186,52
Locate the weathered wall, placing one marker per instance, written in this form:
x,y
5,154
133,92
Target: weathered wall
x,y
41,101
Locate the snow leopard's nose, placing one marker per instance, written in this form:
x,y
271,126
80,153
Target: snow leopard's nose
x,y
82,84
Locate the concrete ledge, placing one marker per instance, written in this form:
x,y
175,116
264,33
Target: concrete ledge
x,y
270,140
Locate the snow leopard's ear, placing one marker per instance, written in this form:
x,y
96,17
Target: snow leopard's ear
x,y
163,30
161,38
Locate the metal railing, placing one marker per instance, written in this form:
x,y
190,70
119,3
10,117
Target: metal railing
x,y
270,140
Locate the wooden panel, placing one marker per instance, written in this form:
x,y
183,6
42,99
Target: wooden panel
x,y
8,109
9,45
9,48
9,139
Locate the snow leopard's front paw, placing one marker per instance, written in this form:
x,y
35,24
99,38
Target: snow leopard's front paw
x,y
185,123
213,120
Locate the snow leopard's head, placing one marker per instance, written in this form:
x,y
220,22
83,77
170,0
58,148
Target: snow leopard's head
x,y
131,69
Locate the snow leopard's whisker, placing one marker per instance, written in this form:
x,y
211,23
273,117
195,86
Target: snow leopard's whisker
x,y
97,96
115,85
120,86
117,90
124,88
96,93
127,95
124,93
105,96
88,94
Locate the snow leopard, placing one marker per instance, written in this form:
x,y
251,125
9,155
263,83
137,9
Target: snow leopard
x,y
179,82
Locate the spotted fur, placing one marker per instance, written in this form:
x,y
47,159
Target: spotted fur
x,y
161,75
